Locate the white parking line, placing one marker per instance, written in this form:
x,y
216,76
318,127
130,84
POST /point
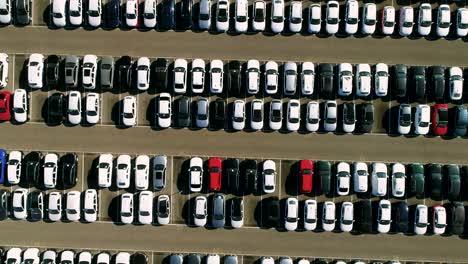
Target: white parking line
x,y
83,172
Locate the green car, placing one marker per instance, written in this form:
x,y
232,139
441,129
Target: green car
x,y
453,182
324,172
417,180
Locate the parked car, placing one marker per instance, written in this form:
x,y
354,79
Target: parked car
x,y
312,116
347,217
381,79
125,72
404,119
204,17
462,21
251,173
238,115
222,16
256,115
419,82
258,17
196,174
366,118
52,65
73,206
326,75
290,78
234,78
330,115
456,83
129,113
90,205
384,216
233,177
328,216
218,211
145,207
310,214
74,107
277,16
241,16
332,17
167,19
5,12
421,219
457,221
164,110
461,120
295,16
198,76
343,178
36,206
425,19
104,169
324,173
216,76
276,114
345,84
126,208
269,176
315,18
143,72
50,170
349,117
422,119
142,172
293,115
200,211
237,212
439,119
435,174
271,77
23,12
112,12
14,167
202,115
379,179
439,219
161,74
453,182
417,180
94,13
443,20
406,20
159,172
4,62
363,80
57,13
183,113
272,213
180,75
400,217
93,108
89,71
54,209
363,216
438,82
369,19
163,209
72,68
35,70
68,166
306,176
351,16
360,177
5,106
400,80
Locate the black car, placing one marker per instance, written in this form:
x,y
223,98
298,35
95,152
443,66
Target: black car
x,y
419,82
251,169
23,12
36,206
400,217
349,114
219,113
366,117
400,80
326,80
324,173
139,258
68,170
113,14
55,106
4,202
161,74
272,213
457,218
234,78
438,82
453,182
52,71
167,18
435,175
183,112
232,171
417,182
185,14
193,259
32,169
237,209
363,216
125,72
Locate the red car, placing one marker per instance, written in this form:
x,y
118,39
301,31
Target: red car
x,y
306,176
5,114
440,119
215,170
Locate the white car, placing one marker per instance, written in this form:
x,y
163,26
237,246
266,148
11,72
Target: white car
x,y
126,208
333,17
258,17
352,16
93,108
315,18
74,107
398,180
50,170
347,217
269,176
123,171
421,220
204,17
129,114
31,256
369,18
145,207
295,16
456,83
143,73
216,76
4,61
164,110
404,119
222,16
103,258
271,77
379,179
195,174
267,260
328,216
290,78
89,71
313,116
253,76
5,12
94,13
20,105
149,13
200,211
142,172
49,257
345,83
163,209
73,209
122,258
293,115
425,19
384,216
13,256
462,22
381,79
180,76
307,78
241,16
343,178
35,70
388,20
14,167
276,114
443,20
54,209
58,13
330,115
104,168
310,214
75,12
422,119
439,220
360,177
202,119
198,76
277,16
90,205
363,80
238,115
256,115
291,215
68,256
19,203
406,20
131,13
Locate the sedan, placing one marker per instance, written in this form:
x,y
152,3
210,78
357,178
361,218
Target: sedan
x,y
35,70
54,209
93,108
74,107
131,13
126,208
381,79
143,73
443,20
425,19
238,117
438,82
398,180
310,214
14,167
222,16
404,119
406,20
50,170
343,178
259,12
5,112
200,211
379,179
293,115
216,76
145,207
163,209
363,80
276,114
277,16
164,110
123,171
456,83
347,217
330,116
360,177
142,172
89,71
198,76
388,20
328,216
291,214
256,115
439,119
195,174
104,169
421,219
384,216
269,176
271,77
90,205
159,172
439,219
313,116
315,18
333,19
369,18
351,16
73,206
237,212
129,111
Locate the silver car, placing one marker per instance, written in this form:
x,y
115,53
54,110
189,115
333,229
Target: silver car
x,y
72,67
202,118
218,216
107,72
159,172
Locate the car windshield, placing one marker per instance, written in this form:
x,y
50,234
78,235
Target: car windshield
x,y
332,20
362,172
3,11
126,214
444,24
141,167
328,221
442,118
128,115
277,19
18,209
103,166
93,13
131,16
241,18
90,211
49,165
389,24
313,120
276,115
296,20
144,213
381,175
352,20
426,23
148,15
399,175
72,211
424,124
18,110
13,162
407,24
57,15
384,222
369,22
259,15
330,120
74,13
54,211
222,15
405,119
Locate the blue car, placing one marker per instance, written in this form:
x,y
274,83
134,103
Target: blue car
x,y
2,165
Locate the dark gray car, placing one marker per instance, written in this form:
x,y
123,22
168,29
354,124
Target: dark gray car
x,y
176,259
183,112
193,259
231,259
107,72
457,213
217,219
438,82
366,118
23,12
400,80
326,83
72,67
419,82
461,120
